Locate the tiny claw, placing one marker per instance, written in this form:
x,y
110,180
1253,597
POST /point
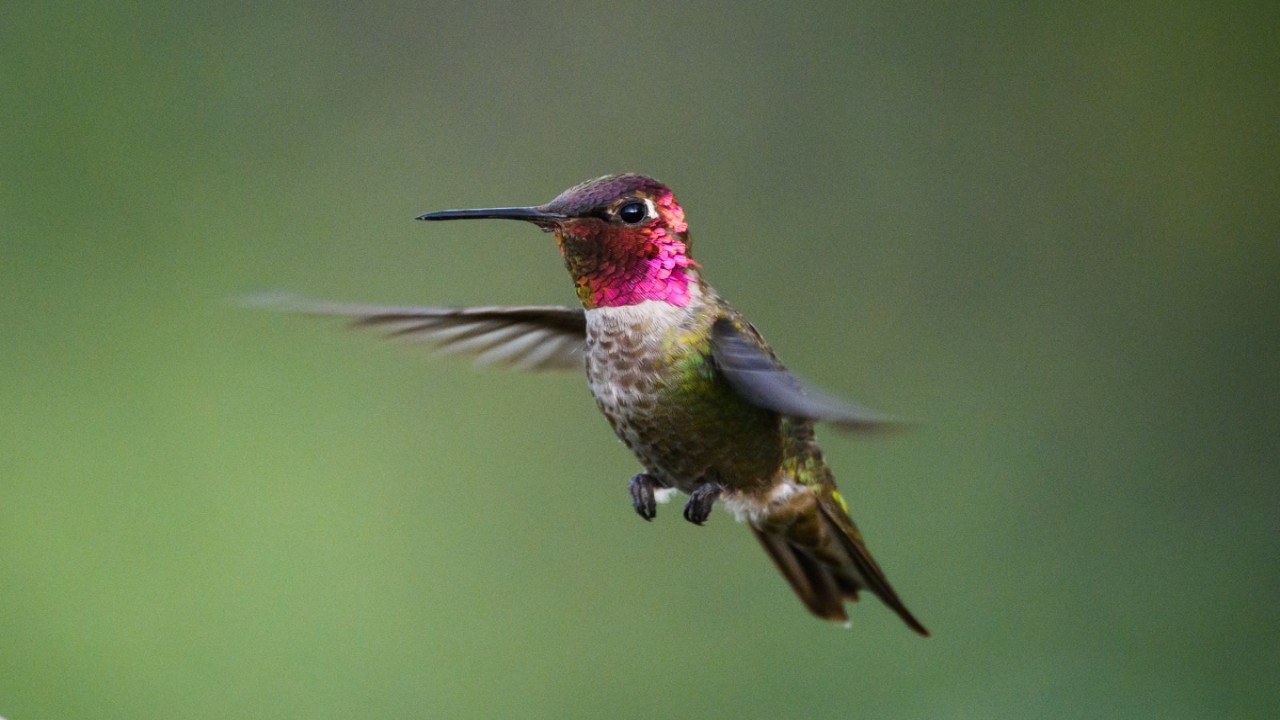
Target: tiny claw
x,y
701,500
642,488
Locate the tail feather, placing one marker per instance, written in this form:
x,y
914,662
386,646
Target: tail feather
x,y
815,586
868,573
826,564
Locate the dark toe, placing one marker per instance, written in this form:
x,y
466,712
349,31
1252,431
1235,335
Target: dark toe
x,y
642,496
701,500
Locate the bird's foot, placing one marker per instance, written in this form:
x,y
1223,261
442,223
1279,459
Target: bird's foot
x,y
701,500
643,486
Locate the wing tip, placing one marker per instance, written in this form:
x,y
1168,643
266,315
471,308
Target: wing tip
x,y
873,424
278,300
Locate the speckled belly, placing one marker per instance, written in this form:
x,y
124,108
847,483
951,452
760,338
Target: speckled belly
x,y
652,379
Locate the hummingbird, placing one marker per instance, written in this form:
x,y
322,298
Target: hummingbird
x,y
688,385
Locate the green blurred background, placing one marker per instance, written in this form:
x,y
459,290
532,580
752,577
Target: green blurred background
x,y
1048,232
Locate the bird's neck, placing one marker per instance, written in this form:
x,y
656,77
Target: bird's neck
x,y
671,285
621,270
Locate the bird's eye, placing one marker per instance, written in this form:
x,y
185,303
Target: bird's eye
x,y
633,212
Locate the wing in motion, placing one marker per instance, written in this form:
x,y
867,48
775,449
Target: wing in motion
x,y
759,377
523,338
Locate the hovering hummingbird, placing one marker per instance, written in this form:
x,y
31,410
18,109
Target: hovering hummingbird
x,y
687,384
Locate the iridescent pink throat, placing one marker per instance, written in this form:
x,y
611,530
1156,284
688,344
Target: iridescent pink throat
x,y
626,266
630,279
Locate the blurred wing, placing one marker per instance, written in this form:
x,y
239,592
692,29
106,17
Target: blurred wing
x,y
758,376
522,338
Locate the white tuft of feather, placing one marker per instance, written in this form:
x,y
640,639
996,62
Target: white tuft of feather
x,y
750,507
664,495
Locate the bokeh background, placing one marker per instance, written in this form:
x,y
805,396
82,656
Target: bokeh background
x,y
1048,232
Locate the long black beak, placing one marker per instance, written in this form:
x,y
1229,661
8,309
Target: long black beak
x,y
534,215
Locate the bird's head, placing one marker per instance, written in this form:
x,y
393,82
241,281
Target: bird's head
x,y
623,238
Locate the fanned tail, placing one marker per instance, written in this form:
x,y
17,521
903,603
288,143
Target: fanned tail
x,y
821,554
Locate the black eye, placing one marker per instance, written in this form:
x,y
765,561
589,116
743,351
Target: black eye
x,y
632,213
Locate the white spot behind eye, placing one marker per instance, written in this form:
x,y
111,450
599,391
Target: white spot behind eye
x,y
651,211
